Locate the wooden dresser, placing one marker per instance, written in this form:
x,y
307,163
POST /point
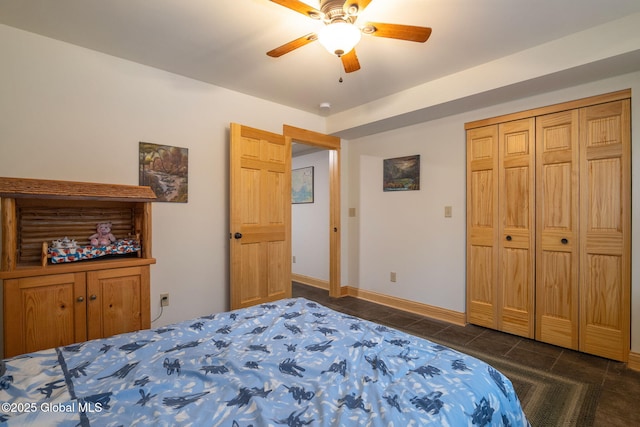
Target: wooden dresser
x,y
50,305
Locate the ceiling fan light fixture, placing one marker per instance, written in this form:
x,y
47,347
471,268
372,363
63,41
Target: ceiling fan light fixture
x,y
339,38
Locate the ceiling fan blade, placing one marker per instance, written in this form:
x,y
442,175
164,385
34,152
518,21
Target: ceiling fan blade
x,y
354,7
294,44
396,31
350,61
300,7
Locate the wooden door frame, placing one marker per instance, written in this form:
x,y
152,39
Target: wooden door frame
x,y
331,143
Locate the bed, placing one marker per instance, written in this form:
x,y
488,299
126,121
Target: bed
x,y
59,255
288,363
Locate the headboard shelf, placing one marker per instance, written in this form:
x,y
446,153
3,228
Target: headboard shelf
x,y
72,190
35,211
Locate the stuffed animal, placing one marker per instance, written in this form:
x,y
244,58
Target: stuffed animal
x,y
103,236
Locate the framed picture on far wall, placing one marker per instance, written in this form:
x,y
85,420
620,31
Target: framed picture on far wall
x,y
165,169
401,173
302,185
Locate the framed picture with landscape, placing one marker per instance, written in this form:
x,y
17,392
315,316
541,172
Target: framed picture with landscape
x,y
302,185
401,173
165,169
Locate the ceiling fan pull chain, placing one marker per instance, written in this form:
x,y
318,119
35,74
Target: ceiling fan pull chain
x,y
340,71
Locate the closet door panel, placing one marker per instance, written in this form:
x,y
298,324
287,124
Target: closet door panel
x,y
557,261
516,227
515,296
482,205
605,230
481,295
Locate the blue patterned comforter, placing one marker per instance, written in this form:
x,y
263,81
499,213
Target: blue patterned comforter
x,y
289,363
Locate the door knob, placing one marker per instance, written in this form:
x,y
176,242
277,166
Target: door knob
x,y
237,236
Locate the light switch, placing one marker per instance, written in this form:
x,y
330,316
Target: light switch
x,y
352,212
447,211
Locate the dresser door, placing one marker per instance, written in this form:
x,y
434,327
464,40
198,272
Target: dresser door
x,y
43,312
118,301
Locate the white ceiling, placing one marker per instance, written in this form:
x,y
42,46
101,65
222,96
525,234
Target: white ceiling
x,y
224,42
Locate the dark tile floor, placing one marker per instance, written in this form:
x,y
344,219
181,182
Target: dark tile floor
x,y
619,403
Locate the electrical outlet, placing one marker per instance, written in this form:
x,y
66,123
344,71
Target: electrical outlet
x,y
393,276
164,300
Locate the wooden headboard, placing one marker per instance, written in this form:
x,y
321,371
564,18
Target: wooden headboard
x,y
34,211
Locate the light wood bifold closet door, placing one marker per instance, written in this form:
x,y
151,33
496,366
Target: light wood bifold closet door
x,y
605,229
482,226
516,201
548,245
557,213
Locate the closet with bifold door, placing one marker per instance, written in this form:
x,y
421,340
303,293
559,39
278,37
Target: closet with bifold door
x,y
549,224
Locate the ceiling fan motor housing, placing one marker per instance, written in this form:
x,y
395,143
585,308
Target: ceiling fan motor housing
x,y
333,11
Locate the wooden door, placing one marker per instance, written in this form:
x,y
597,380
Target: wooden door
x,y
482,226
44,312
260,216
557,214
118,301
516,246
605,229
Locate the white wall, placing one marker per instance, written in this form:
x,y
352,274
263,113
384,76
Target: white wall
x,y
406,232
310,221
73,114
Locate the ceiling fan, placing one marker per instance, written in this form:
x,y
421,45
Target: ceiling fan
x,y
340,34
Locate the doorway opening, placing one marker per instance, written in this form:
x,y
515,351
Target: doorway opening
x,y
309,142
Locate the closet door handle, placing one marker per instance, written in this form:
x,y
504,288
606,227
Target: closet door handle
x,y
564,240
237,236
509,238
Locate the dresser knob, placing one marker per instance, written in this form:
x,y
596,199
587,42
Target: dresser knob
x,y
80,299
93,297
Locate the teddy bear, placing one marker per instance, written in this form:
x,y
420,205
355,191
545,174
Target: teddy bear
x,y
103,235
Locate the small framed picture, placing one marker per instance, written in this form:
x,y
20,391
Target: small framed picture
x,y
302,185
165,169
401,173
